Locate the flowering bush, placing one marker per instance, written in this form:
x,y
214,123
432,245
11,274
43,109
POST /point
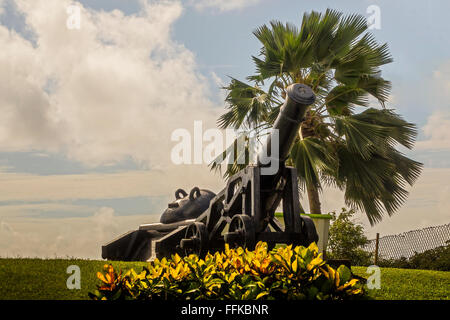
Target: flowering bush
x,y
237,274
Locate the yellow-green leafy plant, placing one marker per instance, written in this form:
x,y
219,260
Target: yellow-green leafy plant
x,y
234,274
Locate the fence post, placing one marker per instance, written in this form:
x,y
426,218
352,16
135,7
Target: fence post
x,y
376,248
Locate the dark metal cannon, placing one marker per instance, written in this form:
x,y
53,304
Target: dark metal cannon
x,y
187,206
243,213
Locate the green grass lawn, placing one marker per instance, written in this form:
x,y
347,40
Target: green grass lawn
x,y
46,279
409,284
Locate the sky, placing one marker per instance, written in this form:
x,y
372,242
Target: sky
x,y
89,107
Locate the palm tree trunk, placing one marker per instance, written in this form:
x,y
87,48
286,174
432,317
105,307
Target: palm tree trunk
x,y
314,200
301,207
307,130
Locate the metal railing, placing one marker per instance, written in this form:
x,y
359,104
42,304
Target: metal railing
x,y
407,243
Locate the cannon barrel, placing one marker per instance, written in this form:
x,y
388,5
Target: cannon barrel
x,y
285,129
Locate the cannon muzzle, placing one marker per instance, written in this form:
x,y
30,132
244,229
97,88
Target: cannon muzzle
x,y
285,129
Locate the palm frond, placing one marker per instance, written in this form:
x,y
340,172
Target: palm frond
x,y
235,157
373,185
360,67
409,169
397,129
342,98
310,156
347,33
246,105
361,137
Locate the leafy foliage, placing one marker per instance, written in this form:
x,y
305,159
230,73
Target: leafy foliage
x,y
235,274
341,61
433,259
345,239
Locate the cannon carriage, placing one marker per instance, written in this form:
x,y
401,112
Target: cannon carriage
x,y
241,214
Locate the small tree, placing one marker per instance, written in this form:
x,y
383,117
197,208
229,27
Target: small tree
x,y
346,239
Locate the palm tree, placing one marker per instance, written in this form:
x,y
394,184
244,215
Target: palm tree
x,y
342,142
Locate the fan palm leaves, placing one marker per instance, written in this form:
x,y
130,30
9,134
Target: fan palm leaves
x,y
336,145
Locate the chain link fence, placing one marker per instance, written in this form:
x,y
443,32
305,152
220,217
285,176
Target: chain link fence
x,y
408,243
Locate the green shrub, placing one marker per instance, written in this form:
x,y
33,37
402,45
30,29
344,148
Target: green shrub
x,y
345,239
434,259
401,263
235,274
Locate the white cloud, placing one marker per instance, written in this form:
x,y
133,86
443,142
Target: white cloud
x,y
116,88
441,82
222,5
69,237
119,85
29,187
35,209
436,131
26,122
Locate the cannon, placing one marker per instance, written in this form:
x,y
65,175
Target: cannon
x,y
241,214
